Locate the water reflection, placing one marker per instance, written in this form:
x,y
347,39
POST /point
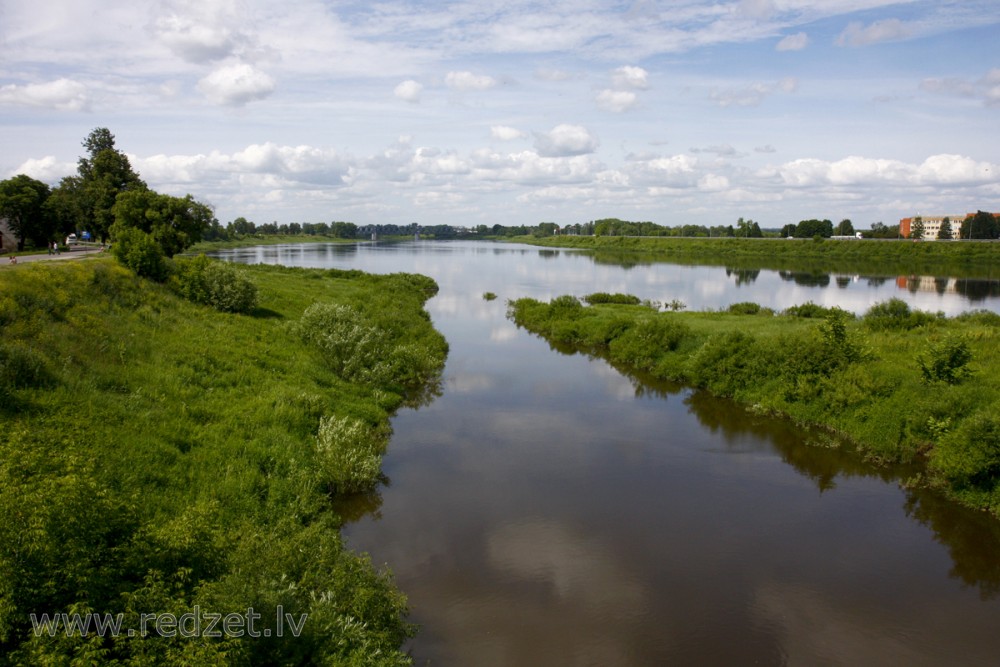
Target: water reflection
x,y
549,509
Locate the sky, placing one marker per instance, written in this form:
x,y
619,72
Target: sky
x,y
516,111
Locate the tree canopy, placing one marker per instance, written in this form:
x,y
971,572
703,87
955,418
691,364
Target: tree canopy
x,y
22,203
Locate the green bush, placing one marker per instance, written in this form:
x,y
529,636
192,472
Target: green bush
x,y
946,361
727,363
810,309
350,454
642,344
218,284
604,297
140,252
895,314
970,455
748,308
350,344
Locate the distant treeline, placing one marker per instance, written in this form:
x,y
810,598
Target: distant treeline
x,y
743,228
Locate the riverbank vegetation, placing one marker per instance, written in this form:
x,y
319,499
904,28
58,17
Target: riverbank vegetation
x,y
777,253
161,456
899,385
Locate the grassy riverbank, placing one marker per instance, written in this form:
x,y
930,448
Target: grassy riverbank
x,y
898,385
160,457
901,254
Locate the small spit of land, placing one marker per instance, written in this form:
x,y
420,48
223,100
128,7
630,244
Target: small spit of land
x,y
899,385
161,457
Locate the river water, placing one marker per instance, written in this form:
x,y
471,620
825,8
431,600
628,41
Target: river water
x,y
546,509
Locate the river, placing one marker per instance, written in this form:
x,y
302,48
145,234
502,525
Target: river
x,y
546,509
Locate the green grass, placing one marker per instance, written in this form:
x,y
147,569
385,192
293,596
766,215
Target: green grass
x,y
902,386
958,258
159,455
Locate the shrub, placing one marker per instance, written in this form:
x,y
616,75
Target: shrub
x,y
604,297
350,344
140,252
350,454
895,314
810,309
565,306
745,308
970,454
946,361
642,344
726,363
218,284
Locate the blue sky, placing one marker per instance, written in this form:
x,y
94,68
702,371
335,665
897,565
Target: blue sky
x,y
517,112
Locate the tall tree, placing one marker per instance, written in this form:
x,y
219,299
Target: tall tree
x,y
917,228
104,173
945,232
173,222
982,225
845,227
22,203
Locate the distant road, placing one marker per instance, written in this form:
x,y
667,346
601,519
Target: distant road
x,y
71,254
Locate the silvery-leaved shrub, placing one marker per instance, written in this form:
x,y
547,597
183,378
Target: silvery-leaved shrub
x,y
351,344
349,452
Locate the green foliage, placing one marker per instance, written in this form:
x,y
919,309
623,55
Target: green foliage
x,y
895,314
162,457
748,308
811,310
604,297
218,284
140,252
642,345
969,456
727,363
22,203
174,222
350,454
946,361
489,296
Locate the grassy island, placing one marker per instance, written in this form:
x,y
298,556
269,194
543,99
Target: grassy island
x,y
160,460
898,385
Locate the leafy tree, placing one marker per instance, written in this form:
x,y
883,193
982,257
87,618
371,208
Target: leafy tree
x,y
882,231
917,228
344,230
22,202
241,226
173,222
810,228
104,174
788,230
140,252
982,225
945,232
845,227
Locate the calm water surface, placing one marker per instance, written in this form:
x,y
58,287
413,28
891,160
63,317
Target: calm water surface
x,y
548,510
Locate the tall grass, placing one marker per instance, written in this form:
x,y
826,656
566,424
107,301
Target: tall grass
x,y
160,455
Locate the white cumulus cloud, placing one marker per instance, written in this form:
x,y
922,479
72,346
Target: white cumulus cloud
x,y
565,140
504,133
469,81
408,91
236,85
61,94
616,101
629,76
